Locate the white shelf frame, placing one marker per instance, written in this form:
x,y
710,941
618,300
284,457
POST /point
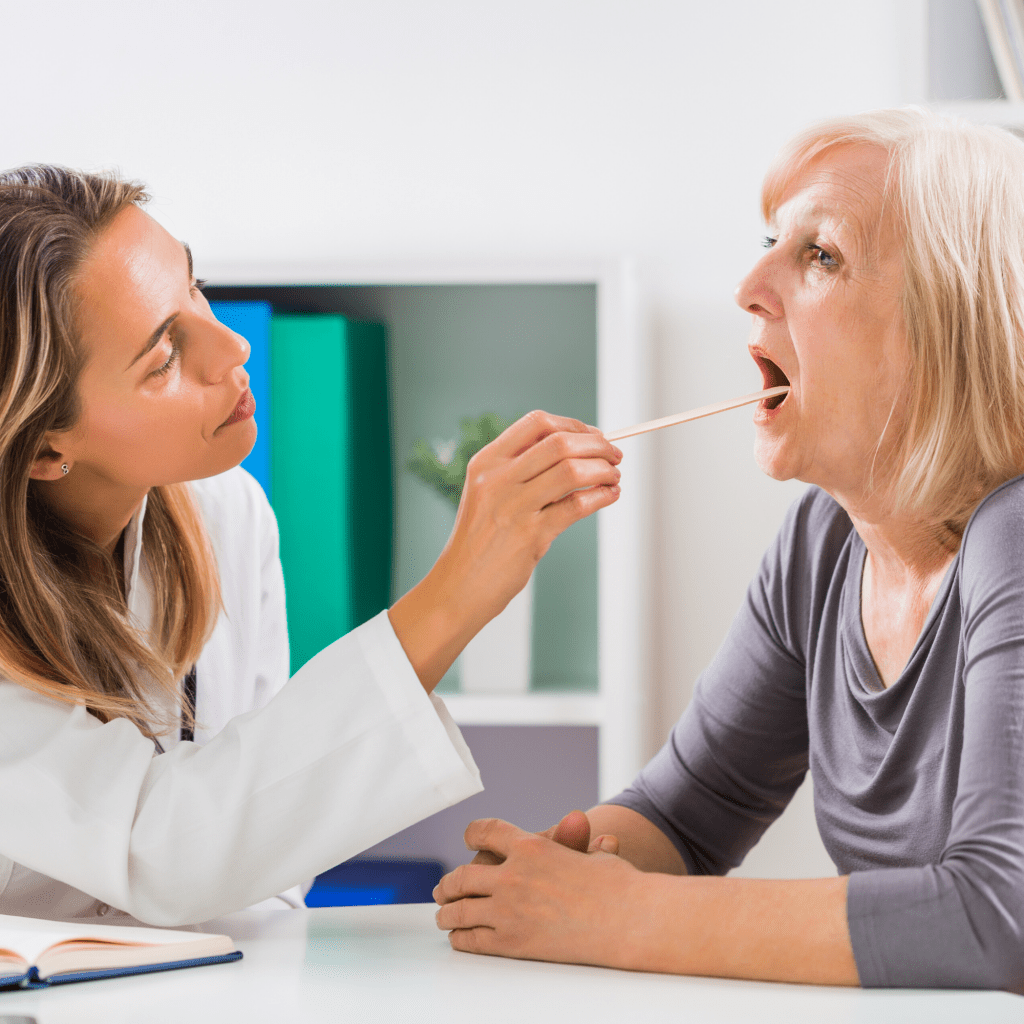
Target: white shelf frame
x,y
620,707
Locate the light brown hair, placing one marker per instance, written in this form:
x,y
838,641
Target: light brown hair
x,y
957,192
65,629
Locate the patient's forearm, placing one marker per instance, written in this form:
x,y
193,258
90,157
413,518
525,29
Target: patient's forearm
x,y
643,844
733,927
762,929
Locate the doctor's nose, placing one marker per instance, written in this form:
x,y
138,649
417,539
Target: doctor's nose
x,y
225,351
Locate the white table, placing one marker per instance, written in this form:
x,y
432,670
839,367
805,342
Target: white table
x,y
391,964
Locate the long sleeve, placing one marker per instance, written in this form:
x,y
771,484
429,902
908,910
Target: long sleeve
x,y
960,920
917,785
351,750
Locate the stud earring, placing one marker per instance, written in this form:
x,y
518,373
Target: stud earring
x,y
64,469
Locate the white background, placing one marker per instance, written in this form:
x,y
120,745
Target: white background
x,y
493,130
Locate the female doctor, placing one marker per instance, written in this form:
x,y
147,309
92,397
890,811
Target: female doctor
x,y
132,548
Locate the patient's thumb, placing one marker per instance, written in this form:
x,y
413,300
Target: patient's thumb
x,y
605,844
573,831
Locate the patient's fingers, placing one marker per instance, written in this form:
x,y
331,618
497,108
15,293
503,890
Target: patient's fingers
x,y
493,835
465,881
605,844
487,858
475,940
464,914
572,831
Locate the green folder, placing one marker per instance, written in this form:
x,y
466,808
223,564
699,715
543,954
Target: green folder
x,y
331,474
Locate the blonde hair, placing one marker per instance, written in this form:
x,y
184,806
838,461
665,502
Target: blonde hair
x,y
957,193
65,629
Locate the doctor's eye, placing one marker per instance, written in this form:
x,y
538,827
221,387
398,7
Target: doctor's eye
x,y
171,360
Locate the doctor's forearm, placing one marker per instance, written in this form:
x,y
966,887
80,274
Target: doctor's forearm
x,y
432,624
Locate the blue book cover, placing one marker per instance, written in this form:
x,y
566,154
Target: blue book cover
x,y
252,321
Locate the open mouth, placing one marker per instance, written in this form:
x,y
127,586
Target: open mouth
x,y
773,378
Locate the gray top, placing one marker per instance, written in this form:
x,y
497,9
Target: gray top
x,y
918,788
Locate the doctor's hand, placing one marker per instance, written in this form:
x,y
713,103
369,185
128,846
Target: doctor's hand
x,y
541,900
540,476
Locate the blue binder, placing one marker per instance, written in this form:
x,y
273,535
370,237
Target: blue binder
x,y
252,321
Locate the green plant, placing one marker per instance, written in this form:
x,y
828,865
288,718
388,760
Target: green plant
x,y
448,475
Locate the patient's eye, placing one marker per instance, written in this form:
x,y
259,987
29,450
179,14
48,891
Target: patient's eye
x,y
822,257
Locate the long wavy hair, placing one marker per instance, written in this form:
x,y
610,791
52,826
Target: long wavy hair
x,y
957,192
65,628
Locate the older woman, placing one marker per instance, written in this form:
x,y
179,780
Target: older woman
x,y
881,644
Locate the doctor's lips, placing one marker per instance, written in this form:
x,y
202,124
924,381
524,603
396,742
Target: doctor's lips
x,y
773,378
245,408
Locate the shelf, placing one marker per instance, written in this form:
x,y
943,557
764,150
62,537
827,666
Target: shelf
x,y
525,709
460,350
506,335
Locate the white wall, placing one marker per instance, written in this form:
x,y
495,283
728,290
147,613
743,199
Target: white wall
x,y
491,130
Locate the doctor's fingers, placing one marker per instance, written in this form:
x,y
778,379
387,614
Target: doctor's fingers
x,y
534,426
466,881
564,479
562,446
560,515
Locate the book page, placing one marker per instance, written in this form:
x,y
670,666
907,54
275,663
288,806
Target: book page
x,y
71,957
30,937
11,964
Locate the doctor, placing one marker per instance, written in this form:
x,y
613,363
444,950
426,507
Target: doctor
x,y
132,548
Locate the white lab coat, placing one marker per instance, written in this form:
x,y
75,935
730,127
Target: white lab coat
x,y
281,783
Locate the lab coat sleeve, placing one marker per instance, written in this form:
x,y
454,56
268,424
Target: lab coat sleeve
x,y
350,751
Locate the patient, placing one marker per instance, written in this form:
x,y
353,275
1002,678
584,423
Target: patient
x,y
881,644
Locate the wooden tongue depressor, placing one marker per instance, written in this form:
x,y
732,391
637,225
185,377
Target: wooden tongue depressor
x,y
696,414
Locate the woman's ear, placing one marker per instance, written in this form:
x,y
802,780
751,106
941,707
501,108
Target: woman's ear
x,y
49,464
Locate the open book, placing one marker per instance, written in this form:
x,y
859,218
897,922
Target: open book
x,y
36,953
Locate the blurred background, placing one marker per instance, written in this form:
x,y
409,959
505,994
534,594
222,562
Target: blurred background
x,y
625,135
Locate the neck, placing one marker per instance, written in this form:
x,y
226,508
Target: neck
x,y
902,549
91,506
